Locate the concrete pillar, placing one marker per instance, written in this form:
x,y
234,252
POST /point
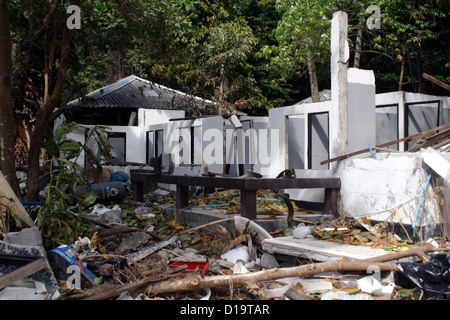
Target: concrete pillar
x,y
339,100
361,116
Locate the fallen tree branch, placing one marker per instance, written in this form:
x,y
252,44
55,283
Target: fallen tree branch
x,y
419,251
194,282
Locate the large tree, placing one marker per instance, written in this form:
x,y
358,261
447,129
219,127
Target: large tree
x,y
51,61
7,120
304,36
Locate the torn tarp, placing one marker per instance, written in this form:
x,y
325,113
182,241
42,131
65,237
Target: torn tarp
x,y
432,277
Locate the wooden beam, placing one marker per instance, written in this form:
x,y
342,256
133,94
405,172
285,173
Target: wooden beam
x,y
436,81
9,199
22,272
409,138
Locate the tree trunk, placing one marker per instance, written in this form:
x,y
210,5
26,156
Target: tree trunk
x,y
421,83
358,45
8,127
43,116
313,77
358,42
402,75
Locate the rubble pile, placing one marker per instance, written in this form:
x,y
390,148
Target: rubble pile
x,y
136,251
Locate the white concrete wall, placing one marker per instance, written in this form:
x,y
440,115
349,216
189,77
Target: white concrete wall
x,y
388,188
361,109
396,114
154,116
278,133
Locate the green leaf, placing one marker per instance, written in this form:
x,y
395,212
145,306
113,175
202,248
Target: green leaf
x,y
70,146
89,199
52,148
403,293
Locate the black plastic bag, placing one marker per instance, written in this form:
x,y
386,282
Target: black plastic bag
x,y
432,277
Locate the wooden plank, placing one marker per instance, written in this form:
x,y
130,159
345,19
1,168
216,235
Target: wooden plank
x,y
239,183
409,138
247,186
22,272
319,250
431,140
436,81
9,199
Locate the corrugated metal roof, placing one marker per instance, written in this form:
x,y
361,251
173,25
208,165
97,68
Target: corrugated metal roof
x,y
134,92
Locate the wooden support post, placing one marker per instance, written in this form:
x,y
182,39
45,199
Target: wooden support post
x,y
248,204
138,189
331,202
182,196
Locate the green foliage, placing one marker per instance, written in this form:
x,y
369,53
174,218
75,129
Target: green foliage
x,y
305,27
68,184
412,35
226,52
259,46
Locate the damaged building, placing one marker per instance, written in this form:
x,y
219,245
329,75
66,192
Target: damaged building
x,y
304,137
364,157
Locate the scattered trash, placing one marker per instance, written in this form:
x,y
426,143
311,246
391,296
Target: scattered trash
x,y
107,214
239,253
139,252
108,192
69,269
432,277
120,176
192,266
374,287
161,192
144,212
342,295
302,232
136,256
268,261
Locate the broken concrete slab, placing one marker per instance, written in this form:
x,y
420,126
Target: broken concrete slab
x,y
319,250
436,161
19,249
23,293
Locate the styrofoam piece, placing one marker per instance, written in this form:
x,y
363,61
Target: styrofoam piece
x,y
342,295
240,268
302,232
370,285
238,253
316,285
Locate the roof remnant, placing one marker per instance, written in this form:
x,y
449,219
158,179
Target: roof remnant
x,y
134,92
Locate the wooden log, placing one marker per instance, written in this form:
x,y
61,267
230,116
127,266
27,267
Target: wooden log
x,y
194,282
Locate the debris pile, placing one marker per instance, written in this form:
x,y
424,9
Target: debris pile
x,y
136,251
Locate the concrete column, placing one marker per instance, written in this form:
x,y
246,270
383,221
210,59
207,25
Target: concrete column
x,y
339,100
